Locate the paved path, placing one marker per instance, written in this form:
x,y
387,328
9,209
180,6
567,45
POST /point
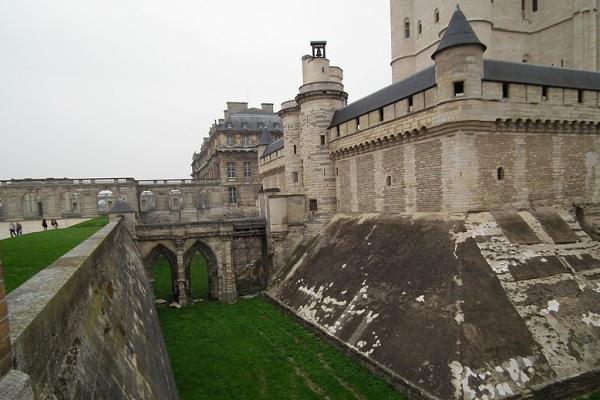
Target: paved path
x,y
36,226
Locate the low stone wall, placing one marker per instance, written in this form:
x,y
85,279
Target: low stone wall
x,y
86,326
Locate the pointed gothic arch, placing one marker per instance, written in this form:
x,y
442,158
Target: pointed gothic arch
x,y
161,250
214,278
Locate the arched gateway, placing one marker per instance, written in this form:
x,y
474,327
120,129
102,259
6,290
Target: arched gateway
x,y
219,245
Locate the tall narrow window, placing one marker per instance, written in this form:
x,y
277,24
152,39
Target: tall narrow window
x,y
505,90
231,169
247,169
544,93
295,149
406,28
337,131
419,28
357,124
312,205
322,140
295,177
229,140
534,5
436,16
389,181
232,195
580,96
459,88
381,115
410,103
500,173
245,140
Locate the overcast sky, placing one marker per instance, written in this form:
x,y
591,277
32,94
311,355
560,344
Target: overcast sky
x,y
124,88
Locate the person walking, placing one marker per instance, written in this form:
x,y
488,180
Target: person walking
x,y
19,229
45,224
12,230
55,224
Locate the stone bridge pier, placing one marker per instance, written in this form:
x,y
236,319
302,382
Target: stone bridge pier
x,y
235,252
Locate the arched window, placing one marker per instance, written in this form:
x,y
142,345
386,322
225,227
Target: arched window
x,y
436,16
419,28
407,28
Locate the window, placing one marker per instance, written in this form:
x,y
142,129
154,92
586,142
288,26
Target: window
x,y
357,124
410,103
337,131
295,177
312,205
276,125
544,93
406,29
523,5
231,169
580,96
337,171
459,88
246,141
380,115
322,140
389,181
534,5
232,195
295,150
261,125
229,140
247,169
229,125
505,90
436,16
419,28
500,173
244,125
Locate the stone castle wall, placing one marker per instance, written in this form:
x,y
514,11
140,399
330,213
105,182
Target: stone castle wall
x,y
560,33
92,310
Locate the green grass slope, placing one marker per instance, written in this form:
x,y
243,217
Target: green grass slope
x,y
25,256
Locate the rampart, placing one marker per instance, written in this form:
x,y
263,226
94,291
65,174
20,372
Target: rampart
x,y
86,326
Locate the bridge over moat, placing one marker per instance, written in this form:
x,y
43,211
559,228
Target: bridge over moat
x,y
235,252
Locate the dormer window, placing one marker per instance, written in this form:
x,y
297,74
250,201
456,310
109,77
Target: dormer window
x,y
228,125
261,125
244,125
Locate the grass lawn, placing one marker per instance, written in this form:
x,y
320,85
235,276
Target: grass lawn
x,y
251,350
198,278
25,256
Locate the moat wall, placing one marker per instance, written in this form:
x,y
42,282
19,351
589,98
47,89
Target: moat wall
x,y
86,326
485,305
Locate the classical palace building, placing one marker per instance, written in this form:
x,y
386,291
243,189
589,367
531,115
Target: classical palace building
x,y
228,154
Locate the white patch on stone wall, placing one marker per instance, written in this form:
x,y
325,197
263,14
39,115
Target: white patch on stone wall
x,y
371,316
553,306
591,159
457,280
344,266
459,316
591,319
421,299
457,371
370,233
361,344
331,300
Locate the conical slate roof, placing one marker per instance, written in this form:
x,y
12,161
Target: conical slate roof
x,y
265,138
458,33
121,207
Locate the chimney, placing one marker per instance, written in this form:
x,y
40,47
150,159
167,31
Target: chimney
x,y
267,107
235,107
5,349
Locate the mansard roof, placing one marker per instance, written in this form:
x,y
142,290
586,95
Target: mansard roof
x,y
458,33
493,70
273,147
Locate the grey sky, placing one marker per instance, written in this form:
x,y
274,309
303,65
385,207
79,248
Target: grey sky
x,y
129,88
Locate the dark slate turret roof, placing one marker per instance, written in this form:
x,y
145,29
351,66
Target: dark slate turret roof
x,y
458,33
273,147
265,138
121,207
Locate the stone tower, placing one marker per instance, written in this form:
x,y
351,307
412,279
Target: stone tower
x,y
307,121
562,33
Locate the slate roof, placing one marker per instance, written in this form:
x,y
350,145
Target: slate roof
x,y
273,147
265,138
254,120
418,82
121,207
541,75
458,33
